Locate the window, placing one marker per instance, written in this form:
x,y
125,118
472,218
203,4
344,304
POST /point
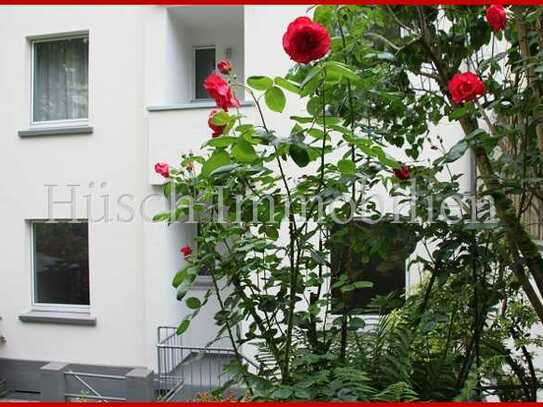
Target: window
x,y
379,254
60,262
60,79
204,64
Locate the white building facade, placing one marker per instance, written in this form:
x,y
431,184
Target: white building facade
x,y
93,98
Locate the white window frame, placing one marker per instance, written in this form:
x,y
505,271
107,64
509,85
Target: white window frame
x,y
36,306
194,50
63,122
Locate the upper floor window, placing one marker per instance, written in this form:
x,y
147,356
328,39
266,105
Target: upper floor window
x,y
60,262
204,64
60,79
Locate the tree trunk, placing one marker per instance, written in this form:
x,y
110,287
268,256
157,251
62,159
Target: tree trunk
x,y
517,236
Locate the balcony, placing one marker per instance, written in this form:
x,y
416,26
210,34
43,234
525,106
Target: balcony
x,y
183,45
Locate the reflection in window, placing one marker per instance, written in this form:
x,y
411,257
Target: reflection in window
x,y
61,263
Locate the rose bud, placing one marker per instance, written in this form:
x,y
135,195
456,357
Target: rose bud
x,y
224,66
186,250
402,173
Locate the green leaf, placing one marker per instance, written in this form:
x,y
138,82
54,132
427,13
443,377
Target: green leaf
x,y
347,167
180,276
275,99
363,284
459,113
161,217
244,152
282,393
301,393
221,118
217,159
457,151
299,155
224,169
314,106
356,323
183,288
222,141
341,70
385,56
193,303
183,326
316,133
260,82
287,85
324,15
189,272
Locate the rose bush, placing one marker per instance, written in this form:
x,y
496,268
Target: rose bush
x,y
368,91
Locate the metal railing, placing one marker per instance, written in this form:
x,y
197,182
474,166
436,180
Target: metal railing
x,y
186,371
87,391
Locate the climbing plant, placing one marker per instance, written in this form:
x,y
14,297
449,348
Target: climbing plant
x,y
375,81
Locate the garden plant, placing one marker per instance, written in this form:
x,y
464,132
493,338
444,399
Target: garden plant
x,y
376,81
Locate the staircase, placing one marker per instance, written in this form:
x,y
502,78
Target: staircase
x,y
186,371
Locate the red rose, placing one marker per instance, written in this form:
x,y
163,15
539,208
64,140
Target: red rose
x,y
162,169
496,17
224,66
217,130
402,173
220,91
306,41
465,87
186,250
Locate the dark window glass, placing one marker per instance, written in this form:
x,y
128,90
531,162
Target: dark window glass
x,y
204,65
379,253
61,263
61,79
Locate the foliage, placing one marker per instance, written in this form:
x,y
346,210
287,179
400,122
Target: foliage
x,y
267,235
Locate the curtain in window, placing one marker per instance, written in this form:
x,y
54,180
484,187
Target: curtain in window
x,y
60,80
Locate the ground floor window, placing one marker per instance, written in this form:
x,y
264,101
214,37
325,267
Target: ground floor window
x,y
60,263
375,253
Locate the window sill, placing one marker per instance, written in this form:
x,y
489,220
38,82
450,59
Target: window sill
x,y
56,131
62,318
191,106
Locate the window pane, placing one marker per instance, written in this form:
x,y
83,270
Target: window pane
x,y
60,80
61,263
204,65
379,254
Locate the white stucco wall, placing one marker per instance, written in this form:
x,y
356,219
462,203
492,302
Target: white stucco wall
x,y
112,154
139,57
